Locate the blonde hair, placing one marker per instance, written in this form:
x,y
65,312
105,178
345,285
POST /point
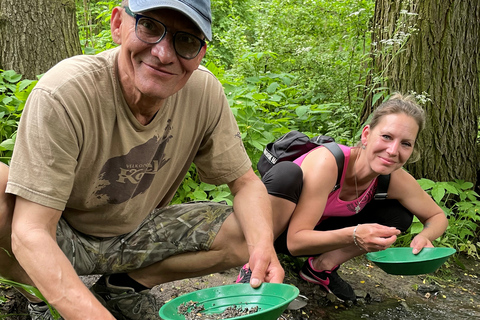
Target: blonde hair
x,y
396,104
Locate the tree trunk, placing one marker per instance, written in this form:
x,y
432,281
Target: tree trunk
x,y
439,61
36,34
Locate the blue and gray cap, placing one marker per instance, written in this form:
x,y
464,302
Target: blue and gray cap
x,y
197,10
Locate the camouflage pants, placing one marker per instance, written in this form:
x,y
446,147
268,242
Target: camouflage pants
x,y
165,232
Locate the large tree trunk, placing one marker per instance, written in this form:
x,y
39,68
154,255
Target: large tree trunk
x,y
441,60
36,34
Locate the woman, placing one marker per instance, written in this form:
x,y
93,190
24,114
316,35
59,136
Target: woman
x,y
332,227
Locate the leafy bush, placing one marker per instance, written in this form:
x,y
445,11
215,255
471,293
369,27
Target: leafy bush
x,y
462,207
93,20
194,190
13,95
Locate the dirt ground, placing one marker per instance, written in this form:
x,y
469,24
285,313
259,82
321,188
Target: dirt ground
x,y
452,287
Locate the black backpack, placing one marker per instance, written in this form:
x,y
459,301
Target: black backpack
x,y
293,144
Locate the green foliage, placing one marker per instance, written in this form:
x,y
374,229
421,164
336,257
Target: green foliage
x,y
231,28
461,205
270,104
192,189
33,291
13,95
318,41
93,19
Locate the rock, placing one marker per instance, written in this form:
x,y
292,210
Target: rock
x,y
424,289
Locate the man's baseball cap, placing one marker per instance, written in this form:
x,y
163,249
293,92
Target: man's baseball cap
x,y
197,10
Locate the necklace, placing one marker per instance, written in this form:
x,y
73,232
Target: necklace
x,y
357,207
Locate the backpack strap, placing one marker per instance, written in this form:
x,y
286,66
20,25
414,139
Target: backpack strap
x,y
339,157
382,187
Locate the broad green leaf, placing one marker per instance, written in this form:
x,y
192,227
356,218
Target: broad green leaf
x,y
7,100
376,96
438,193
466,185
200,195
301,110
426,183
192,184
272,87
207,187
258,146
276,98
416,227
11,76
89,51
7,144
259,96
22,85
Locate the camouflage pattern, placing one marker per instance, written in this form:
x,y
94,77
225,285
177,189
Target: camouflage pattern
x,y
165,232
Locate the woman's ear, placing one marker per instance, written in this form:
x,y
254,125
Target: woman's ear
x,y
115,24
365,134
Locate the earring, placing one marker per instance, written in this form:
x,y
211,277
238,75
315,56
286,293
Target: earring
x,y
363,146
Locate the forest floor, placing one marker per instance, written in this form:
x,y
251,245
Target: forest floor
x,y
453,291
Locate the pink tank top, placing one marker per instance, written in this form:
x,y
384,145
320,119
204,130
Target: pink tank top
x,y
335,206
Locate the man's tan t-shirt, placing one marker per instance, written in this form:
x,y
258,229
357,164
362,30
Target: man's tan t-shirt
x,y
80,150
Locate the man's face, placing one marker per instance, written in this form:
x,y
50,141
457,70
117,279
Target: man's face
x,y
152,70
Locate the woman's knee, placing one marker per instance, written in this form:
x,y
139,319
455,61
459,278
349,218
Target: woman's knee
x,y
284,180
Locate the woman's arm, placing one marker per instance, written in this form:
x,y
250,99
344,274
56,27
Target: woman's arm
x,y
408,192
320,175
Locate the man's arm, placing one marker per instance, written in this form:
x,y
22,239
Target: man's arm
x,y
253,210
35,247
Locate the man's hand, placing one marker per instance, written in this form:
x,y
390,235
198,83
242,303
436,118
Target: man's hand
x,y
265,267
254,213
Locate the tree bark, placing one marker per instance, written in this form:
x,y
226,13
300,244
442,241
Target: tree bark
x,y
439,59
36,34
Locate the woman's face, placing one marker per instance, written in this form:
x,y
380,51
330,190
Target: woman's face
x,y
390,143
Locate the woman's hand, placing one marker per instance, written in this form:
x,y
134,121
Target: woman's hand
x,y
372,237
420,242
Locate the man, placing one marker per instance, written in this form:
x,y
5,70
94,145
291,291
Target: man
x,y
102,146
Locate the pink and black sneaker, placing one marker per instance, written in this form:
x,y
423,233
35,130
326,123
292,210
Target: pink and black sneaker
x,y
244,275
329,280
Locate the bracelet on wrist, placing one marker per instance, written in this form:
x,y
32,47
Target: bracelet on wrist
x,y
355,237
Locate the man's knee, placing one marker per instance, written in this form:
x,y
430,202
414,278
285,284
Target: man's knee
x,y
231,241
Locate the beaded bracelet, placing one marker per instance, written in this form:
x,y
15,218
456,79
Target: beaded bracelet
x,y
355,237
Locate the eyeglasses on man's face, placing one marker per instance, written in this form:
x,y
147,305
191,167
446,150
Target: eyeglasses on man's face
x,y
152,31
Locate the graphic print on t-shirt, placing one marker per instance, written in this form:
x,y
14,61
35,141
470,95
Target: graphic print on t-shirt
x,y
124,177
